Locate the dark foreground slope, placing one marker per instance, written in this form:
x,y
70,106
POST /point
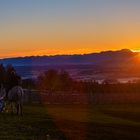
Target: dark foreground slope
x,y
73,122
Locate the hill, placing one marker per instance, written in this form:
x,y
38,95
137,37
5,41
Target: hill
x,y
103,58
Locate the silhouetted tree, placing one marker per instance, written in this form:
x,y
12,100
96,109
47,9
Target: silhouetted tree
x,y
2,74
53,80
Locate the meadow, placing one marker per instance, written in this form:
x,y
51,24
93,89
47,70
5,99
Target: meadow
x,y
74,122
35,124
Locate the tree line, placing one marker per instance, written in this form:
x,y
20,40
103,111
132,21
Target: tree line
x,y
54,80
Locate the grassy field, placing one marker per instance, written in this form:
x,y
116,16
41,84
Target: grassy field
x,y
98,122
35,124
74,122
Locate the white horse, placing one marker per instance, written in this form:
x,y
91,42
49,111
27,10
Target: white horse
x,y
15,98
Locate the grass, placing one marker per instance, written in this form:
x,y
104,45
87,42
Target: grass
x,y
98,122
74,122
36,124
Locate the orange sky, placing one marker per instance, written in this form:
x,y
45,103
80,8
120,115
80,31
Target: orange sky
x,y
68,27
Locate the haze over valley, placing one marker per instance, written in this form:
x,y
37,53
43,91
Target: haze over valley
x,y
94,66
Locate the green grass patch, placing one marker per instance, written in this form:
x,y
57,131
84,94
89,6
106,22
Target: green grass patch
x,y
35,124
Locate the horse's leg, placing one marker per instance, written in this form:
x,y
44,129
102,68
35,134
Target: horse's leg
x,y
11,106
20,107
17,108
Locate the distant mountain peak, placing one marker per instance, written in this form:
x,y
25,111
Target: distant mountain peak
x,y
122,50
101,58
125,50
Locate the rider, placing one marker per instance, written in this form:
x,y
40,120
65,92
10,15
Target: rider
x,y
12,80
2,97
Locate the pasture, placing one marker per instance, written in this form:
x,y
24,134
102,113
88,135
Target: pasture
x,y
74,122
35,124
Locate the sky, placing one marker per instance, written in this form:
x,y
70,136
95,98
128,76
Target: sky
x,y
50,27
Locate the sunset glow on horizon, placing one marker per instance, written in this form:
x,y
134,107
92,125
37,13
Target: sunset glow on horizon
x,y
50,27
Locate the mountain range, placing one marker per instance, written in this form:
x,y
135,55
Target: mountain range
x,y
108,58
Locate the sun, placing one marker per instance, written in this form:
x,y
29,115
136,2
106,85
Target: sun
x,y
135,50
136,57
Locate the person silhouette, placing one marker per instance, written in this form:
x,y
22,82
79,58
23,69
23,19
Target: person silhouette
x,y
2,97
12,80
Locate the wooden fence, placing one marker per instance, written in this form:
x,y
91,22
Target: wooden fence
x,y
79,98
